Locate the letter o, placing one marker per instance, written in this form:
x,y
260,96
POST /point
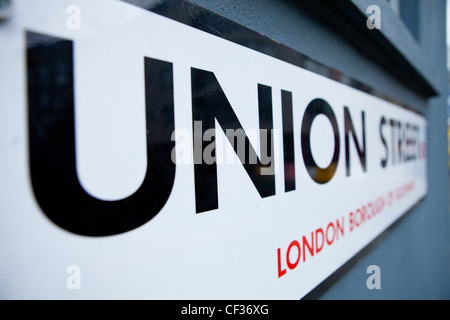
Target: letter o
x,y
316,107
288,261
326,233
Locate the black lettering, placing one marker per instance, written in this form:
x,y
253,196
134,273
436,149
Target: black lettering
x,y
383,141
209,103
314,108
393,124
52,144
348,124
288,141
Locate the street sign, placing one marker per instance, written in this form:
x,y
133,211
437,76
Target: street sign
x,y
159,161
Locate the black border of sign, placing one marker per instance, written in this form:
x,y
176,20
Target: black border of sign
x,y
202,19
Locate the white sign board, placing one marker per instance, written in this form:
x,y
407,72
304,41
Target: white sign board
x,y
144,158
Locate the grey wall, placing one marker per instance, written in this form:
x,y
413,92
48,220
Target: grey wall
x,y
414,254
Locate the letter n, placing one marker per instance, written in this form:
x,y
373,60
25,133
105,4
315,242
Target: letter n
x,y
209,104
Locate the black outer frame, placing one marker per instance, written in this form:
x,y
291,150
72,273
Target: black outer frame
x,y
202,19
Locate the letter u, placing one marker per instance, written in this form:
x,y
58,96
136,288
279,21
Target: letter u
x,y
52,144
